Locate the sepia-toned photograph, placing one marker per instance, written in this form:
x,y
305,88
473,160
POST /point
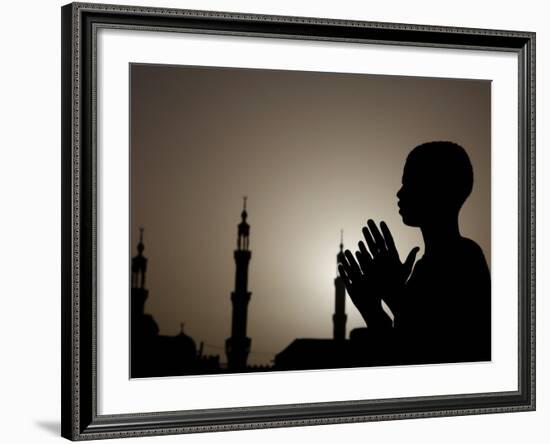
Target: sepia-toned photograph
x,y
294,220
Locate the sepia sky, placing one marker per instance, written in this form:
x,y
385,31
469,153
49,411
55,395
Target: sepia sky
x,y
314,153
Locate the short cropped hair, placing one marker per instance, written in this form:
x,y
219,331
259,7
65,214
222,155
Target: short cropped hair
x,y
444,165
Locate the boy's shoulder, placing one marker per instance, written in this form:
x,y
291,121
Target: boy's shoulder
x,y
472,252
470,246
464,253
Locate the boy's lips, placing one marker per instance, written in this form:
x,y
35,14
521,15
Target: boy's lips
x,y
400,206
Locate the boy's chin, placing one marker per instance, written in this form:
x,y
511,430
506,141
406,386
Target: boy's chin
x,y
409,221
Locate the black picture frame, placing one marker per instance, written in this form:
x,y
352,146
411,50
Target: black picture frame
x,y
80,419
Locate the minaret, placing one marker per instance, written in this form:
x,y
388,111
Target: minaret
x,y
139,264
339,317
237,346
139,267
141,332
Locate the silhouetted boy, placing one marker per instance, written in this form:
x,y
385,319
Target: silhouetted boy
x,y
442,310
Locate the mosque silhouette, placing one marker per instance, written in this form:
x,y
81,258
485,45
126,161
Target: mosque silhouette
x,y
154,355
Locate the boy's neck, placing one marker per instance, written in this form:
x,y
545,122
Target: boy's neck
x,y
438,237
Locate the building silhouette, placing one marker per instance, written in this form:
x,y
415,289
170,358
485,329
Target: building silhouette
x,y
339,318
152,354
237,346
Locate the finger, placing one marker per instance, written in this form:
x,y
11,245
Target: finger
x,y
363,257
360,262
348,284
346,267
390,244
409,262
353,267
345,279
344,276
377,236
370,242
364,251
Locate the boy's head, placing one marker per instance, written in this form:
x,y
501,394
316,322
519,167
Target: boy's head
x,y
437,179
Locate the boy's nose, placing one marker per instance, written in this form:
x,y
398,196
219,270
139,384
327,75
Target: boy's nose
x,y
399,192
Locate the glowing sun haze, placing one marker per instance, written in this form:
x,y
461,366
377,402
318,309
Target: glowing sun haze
x,y
314,153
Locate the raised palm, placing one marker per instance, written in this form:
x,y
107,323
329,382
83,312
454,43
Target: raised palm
x,y
376,274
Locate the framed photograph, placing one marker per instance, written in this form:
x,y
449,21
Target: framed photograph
x,y
279,221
